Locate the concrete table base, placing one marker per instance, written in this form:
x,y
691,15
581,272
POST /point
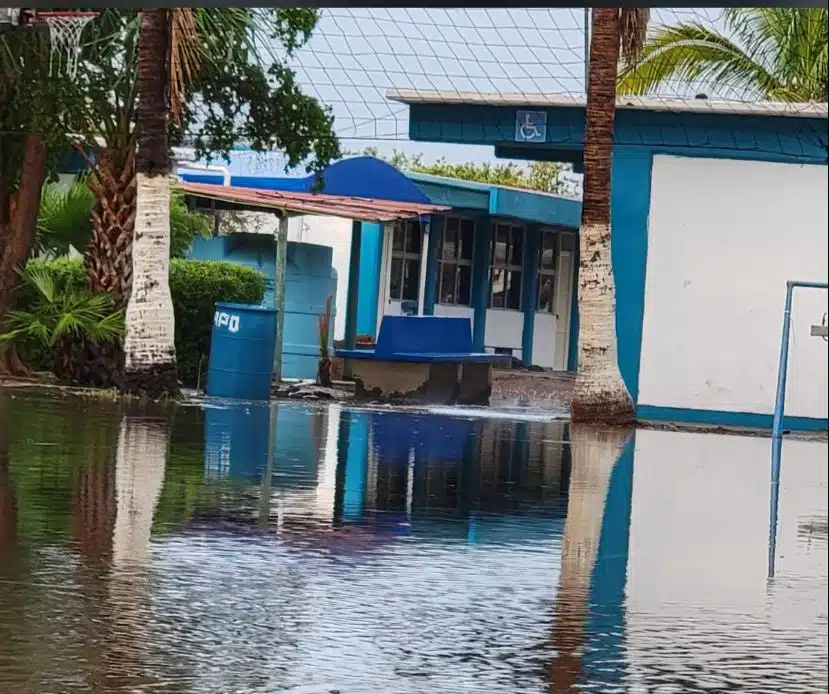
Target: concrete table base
x,y
422,384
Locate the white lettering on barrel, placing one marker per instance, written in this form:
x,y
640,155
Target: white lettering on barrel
x,y
222,319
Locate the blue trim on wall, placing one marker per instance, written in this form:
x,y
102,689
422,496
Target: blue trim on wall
x,y
605,624
371,258
480,280
764,138
430,290
747,420
529,290
630,205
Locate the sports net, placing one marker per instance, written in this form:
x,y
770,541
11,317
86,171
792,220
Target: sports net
x,y
65,32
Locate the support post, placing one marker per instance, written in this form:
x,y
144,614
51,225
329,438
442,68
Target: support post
x,y
279,293
529,291
424,266
353,295
480,281
431,290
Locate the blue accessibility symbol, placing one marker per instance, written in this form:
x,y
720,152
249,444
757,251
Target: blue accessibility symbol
x,y
531,126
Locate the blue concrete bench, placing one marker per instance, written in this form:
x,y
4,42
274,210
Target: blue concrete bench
x,y
423,359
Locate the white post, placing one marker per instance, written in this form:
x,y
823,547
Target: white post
x,y
279,293
424,256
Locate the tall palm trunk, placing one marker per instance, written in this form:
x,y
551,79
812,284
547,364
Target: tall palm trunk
x,y
149,347
601,395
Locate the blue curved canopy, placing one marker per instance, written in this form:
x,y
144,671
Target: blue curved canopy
x,y
357,177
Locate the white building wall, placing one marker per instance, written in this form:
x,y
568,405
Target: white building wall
x,y
724,238
699,545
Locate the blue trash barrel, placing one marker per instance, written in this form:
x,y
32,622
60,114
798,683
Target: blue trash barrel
x,y
241,352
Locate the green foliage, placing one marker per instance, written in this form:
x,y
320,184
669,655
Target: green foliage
x,y
543,176
64,220
185,226
779,54
58,312
245,90
195,285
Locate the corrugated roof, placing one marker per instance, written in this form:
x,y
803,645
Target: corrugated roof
x,y
639,103
360,209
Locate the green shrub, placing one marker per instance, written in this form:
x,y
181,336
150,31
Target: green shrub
x,y
195,286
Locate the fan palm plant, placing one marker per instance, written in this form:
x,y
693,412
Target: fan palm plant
x,y
771,53
61,317
600,393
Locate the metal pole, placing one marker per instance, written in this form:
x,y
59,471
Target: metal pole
x,y
279,293
777,422
777,427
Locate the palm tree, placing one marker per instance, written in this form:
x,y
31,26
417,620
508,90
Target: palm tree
x,y
779,54
168,55
600,393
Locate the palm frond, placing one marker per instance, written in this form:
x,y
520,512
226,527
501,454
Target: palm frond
x,y
64,218
693,53
765,53
185,58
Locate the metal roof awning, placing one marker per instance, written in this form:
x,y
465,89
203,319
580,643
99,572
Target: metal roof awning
x,y
295,203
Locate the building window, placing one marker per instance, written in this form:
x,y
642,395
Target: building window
x,y
505,267
455,262
547,261
405,260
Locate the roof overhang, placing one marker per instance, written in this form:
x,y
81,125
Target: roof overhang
x,y
636,103
289,203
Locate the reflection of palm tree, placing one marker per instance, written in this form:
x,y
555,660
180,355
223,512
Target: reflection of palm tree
x,y
139,478
594,454
8,503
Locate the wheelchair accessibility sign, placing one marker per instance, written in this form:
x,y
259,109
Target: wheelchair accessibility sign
x,y
530,126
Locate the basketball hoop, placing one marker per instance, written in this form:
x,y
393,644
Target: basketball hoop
x,y
65,29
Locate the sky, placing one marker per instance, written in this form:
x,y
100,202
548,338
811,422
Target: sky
x,y
356,55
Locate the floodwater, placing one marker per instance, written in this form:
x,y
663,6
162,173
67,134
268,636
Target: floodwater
x,y
378,552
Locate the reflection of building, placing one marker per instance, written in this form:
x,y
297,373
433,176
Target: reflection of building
x,y
434,474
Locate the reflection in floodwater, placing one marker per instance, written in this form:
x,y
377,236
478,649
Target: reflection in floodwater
x,y
317,549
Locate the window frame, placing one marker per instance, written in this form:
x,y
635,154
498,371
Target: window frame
x,y
507,266
405,226
541,272
458,262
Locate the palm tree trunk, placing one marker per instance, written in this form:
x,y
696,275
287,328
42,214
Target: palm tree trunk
x,y
149,347
17,233
600,393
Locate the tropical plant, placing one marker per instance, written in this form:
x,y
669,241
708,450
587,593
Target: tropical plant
x,y
773,53
600,394
61,317
324,325
64,221
168,56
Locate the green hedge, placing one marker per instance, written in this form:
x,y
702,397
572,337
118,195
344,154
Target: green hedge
x,y
196,286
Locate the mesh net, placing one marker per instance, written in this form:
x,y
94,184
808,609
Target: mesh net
x,y
65,40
